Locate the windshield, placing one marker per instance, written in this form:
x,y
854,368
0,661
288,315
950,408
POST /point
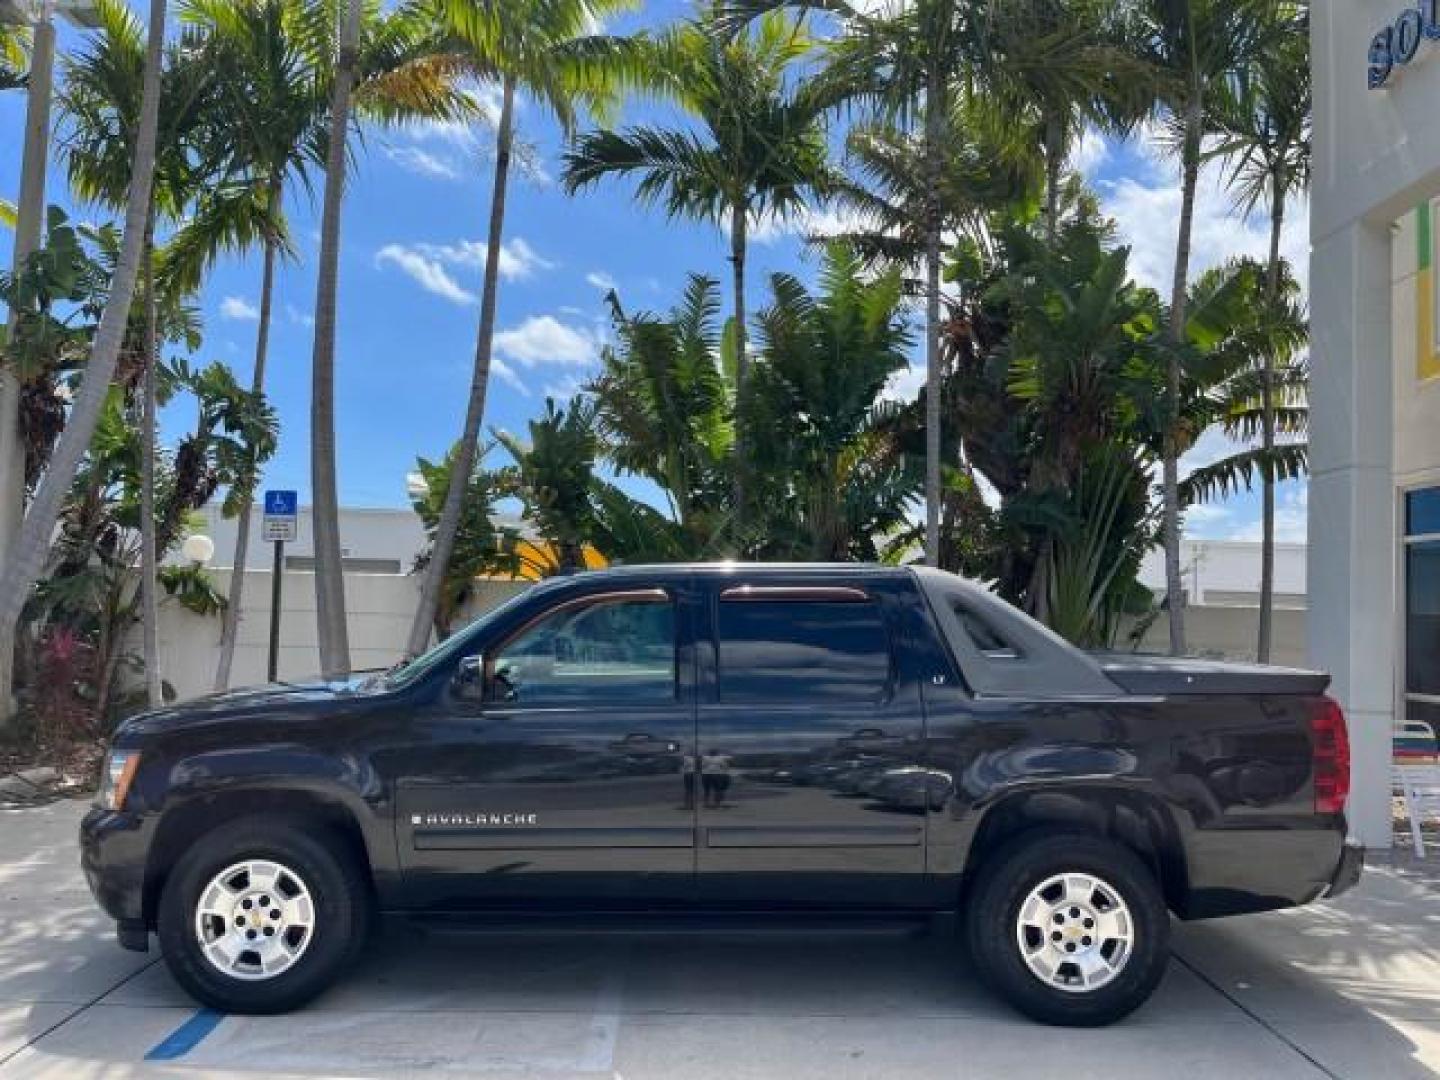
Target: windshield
x,y
455,646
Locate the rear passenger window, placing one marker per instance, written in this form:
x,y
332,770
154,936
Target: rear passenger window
x,y
986,638
777,650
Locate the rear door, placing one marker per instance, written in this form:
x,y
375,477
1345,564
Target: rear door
x,y
553,766
810,737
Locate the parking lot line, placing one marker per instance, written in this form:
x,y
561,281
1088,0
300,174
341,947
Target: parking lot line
x,y
186,1037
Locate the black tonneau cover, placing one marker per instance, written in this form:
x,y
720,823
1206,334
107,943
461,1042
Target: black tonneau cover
x,y
1141,673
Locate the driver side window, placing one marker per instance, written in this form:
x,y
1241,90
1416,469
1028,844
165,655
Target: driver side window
x,y
610,650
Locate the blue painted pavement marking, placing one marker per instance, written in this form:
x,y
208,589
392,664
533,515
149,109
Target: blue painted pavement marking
x,y
186,1037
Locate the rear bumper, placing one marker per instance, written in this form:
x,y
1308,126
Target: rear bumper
x,y
1347,872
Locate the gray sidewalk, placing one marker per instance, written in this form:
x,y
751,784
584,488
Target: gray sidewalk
x,y
1350,989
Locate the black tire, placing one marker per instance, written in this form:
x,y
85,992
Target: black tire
x,y
1005,881
341,902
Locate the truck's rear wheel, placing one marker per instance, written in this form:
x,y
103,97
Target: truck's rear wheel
x,y
1069,929
261,915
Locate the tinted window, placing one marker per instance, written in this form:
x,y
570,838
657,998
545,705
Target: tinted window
x,y
986,638
1422,512
1422,617
797,650
610,651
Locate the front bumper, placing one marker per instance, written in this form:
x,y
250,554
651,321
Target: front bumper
x,y
112,856
1347,872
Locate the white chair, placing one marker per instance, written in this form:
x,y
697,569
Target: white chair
x,y
1418,783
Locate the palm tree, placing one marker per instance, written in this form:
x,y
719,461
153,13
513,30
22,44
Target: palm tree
x,y
835,481
329,576
275,69
14,56
886,191
99,103
1265,133
757,149
549,51
24,562
1194,48
1064,64
663,407
1247,331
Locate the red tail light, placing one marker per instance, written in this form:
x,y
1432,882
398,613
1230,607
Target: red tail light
x,y
1330,756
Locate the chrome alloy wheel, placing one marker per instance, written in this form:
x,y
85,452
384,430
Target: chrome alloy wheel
x,y
254,920
1075,932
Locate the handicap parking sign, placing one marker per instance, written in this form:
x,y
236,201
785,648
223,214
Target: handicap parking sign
x,y
280,519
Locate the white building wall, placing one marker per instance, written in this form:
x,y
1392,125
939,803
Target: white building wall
x,y
1376,155
379,608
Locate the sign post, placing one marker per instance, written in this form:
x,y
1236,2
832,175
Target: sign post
x,y
279,524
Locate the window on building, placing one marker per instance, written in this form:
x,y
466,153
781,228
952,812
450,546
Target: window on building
x,y
609,651
802,650
1422,606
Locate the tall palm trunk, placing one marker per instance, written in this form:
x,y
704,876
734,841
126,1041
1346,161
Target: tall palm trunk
x,y
230,626
469,448
1054,161
738,228
30,212
149,571
934,136
1267,434
1190,174
24,562
329,571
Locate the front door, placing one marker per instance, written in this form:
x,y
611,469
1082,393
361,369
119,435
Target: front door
x,y
811,745
557,761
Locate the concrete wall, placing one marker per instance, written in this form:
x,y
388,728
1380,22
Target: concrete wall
x,y
1228,633
1372,417
379,608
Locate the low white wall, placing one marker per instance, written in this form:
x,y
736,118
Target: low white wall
x,y
379,608
1229,633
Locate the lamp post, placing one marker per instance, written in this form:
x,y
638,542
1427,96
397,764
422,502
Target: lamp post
x,y
29,217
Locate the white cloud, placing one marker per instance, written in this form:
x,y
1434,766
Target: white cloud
x,y
1146,207
239,309
565,388
1291,519
430,264
298,317
413,159
805,221
542,340
906,384
601,280
426,272
506,374
518,260
1090,152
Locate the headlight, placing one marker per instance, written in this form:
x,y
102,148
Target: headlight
x,y
120,766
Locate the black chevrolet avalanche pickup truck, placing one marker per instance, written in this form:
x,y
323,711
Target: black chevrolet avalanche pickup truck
x,y
686,742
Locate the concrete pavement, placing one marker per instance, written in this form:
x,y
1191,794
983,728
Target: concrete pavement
x,y
1349,989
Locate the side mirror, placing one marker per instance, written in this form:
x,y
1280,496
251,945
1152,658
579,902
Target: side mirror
x,y
469,681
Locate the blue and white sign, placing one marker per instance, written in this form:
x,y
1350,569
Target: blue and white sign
x,y
280,520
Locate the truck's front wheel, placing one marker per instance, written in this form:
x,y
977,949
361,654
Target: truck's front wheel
x,y
261,915
1070,929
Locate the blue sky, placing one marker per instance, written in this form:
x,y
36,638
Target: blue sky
x,y
415,215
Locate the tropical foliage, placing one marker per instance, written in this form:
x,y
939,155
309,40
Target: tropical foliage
x,y
770,419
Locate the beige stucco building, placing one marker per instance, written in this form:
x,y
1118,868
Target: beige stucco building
x,y
1374,560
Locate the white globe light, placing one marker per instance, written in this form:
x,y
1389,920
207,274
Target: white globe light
x,y
198,548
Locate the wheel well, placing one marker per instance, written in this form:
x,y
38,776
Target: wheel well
x,y
182,826
1138,821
